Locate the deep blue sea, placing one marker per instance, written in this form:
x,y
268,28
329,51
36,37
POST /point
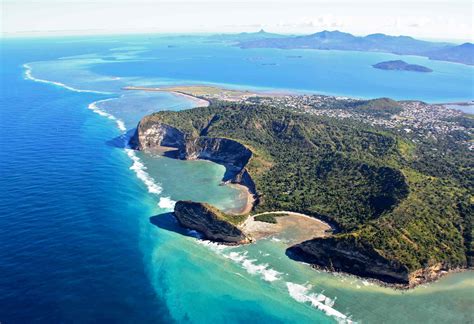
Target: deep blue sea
x,y
76,241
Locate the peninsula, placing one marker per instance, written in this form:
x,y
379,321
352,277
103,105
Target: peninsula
x,y
401,213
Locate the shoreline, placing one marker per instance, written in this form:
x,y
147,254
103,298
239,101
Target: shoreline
x,y
303,227
198,101
272,92
250,199
294,214
393,286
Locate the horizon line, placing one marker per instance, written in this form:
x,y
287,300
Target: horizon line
x,y
105,32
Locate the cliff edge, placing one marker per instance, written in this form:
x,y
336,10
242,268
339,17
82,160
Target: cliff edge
x,y
151,135
209,221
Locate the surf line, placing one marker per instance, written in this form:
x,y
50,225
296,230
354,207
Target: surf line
x,y
137,166
29,76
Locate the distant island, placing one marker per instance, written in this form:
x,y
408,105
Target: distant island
x,y
400,65
400,211
337,40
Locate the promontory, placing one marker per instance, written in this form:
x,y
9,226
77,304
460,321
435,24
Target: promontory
x,y
401,213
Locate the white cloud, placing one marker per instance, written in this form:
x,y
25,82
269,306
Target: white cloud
x,y
449,19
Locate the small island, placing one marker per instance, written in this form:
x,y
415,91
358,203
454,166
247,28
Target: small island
x,y
399,65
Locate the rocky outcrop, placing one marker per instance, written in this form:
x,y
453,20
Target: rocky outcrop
x,y
430,273
347,255
209,221
151,135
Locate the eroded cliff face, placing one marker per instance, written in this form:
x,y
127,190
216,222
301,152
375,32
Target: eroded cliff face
x,y
209,221
349,256
150,135
219,150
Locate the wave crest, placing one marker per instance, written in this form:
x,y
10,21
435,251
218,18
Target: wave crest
x,y
302,294
29,76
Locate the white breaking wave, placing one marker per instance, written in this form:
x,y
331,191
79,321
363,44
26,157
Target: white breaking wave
x,y
166,203
214,246
121,125
138,167
29,76
140,171
250,265
301,293
95,108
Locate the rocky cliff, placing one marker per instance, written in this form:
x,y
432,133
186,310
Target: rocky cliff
x,y
151,134
348,255
219,150
212,223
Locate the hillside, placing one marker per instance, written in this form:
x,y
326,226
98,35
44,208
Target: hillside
x,y
336,40
463,53
243,37
380,189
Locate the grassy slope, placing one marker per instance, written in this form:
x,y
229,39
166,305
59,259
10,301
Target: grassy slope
x,y
375,185
233,219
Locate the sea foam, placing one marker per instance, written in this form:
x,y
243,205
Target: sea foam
x,y
250,265
302,294
29,76
166,203
95,108
140,170
137,166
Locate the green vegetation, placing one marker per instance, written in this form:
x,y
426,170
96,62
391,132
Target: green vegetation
x,y
269,218
410,201
382,107
233,219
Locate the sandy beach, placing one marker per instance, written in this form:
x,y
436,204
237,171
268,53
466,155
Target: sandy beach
x,y
250,200
198,101
295,227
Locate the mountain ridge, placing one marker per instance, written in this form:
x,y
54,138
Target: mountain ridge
x,y
377,42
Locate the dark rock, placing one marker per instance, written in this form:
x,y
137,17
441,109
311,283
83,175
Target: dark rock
x,y
209,221
347,255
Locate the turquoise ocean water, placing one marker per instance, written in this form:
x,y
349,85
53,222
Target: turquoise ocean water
x,y
76,240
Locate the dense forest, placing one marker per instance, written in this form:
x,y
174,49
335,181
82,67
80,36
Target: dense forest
x,y
409,201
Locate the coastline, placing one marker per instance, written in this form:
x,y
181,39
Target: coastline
x,y
198,101
302,227
396,287
422,276
250,199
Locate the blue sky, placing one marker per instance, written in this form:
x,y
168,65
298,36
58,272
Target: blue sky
x,y
421,18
